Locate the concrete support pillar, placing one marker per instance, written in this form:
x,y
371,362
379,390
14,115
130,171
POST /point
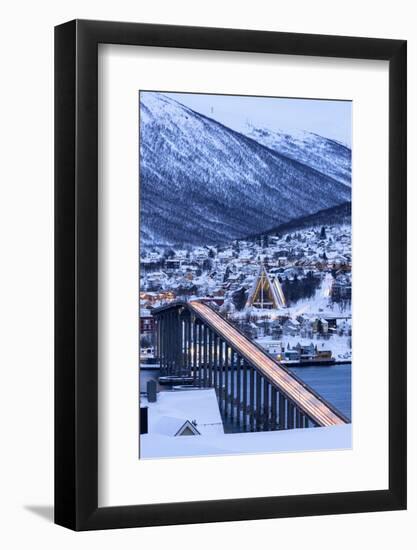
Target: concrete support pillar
x,y
226,380
200,355
210,358
181,347
220,373
258,415
165,336
189,346
266,413
198,351
160,336
252,411
178,340
173,342
238,387
290,415
169,343
274,397
175,327
215,362
156,343
245,394
281,414
232,383
202,331
163,342
184,352
297,418
167,340
181,350
187,333
205,357
194,351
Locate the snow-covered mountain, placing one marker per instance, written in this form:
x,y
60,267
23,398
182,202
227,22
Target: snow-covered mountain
x,y
325,155
203,183
335,215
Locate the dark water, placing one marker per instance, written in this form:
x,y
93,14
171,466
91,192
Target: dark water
x,y
333,383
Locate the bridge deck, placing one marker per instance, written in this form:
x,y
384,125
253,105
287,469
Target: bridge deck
x,y
280,377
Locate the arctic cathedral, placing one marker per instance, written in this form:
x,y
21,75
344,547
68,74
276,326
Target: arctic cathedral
x,y
266,292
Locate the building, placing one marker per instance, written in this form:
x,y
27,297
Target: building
x,y
266,292
147,322
174,427
173,264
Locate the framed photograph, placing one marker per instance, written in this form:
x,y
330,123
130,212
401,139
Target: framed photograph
x,y
230,244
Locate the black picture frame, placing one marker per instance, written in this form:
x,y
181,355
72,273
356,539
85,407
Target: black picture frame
x,y
76,271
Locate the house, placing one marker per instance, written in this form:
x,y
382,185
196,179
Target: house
x,y
187,428
320,325
172,426
273,347
291,326
184,412
172,264
147,322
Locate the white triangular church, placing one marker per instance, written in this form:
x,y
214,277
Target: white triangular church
x,y
266,292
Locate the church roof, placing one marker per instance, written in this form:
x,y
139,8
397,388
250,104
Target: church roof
x,y
266,292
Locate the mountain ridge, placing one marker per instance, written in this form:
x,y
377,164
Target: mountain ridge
x,y
204,183
335,215
327,156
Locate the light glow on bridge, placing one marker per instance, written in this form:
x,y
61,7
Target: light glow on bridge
x,y
302,396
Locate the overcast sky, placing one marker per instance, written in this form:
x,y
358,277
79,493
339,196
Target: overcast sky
x,y
328,118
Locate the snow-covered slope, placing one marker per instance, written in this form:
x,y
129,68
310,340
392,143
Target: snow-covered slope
x,y
203,183
325,155
335,215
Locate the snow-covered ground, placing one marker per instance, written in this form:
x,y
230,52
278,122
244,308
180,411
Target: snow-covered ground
x,y
307,439
340,346
320,304
173,409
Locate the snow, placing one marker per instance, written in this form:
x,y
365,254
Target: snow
x,y
173,408
307,439
203,183
169,425
322,154
340,346
320,303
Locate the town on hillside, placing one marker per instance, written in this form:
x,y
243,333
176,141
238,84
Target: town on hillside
x,y
289,292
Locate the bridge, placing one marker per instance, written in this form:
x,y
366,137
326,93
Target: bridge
x,y
254,390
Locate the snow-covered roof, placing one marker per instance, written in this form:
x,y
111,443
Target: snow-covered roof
x,y
145,312
172,426
172,409
271,286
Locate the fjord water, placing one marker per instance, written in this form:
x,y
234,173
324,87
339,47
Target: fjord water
x,y
333,383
